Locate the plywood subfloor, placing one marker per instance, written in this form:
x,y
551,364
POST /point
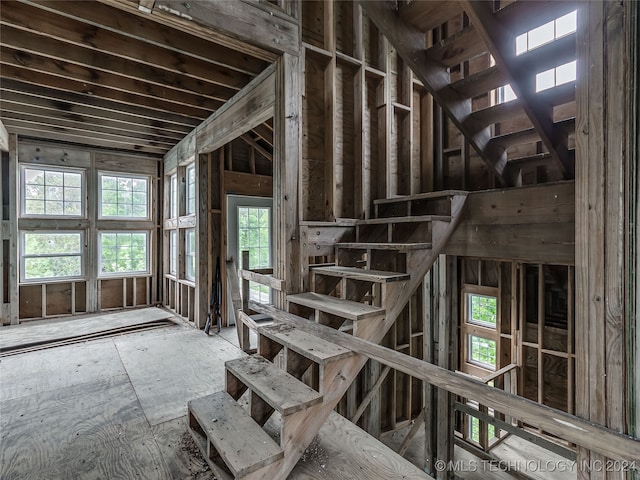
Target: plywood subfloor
x,y
115,408
515,459
30,335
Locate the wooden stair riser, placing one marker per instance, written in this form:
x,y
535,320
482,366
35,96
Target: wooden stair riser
x,y
413,207
412,232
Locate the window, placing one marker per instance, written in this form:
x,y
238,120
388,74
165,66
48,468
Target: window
x,y
254,235
123,252
482,352
482,310
191,189
51,255
556,76
535,38
190,255
124,196
52,192
173,186
173,251
506,94
546,33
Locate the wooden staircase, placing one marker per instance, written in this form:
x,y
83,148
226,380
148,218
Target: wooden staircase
x,y
299,377
471,58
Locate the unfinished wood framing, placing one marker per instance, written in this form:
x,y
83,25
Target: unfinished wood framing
x,y
453,221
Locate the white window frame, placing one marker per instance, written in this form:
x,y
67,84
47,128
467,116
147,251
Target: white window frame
x,y
173,252
124,175
188,254
45,168
24,256
191,190
137,273
173,199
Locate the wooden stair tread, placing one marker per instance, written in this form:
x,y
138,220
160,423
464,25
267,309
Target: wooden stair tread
x,y
282,391
420,196
314,348
243,445
409,219
355,273
401,247
336,306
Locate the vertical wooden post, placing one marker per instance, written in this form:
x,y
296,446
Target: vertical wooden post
x,y
286,161
203,282
14,202
447,320
429,403
603,165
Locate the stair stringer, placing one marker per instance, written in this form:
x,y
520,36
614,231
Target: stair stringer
x,y
301,427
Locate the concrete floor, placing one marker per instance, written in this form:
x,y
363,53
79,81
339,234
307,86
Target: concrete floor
x,y
115,408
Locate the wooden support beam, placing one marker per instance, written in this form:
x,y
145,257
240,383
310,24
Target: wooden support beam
x,y
14,239
501,45
568,427
370,394
252,106
606,134
410,44
259,24
257,147
287,150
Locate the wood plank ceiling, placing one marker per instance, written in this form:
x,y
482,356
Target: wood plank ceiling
x,y
108,74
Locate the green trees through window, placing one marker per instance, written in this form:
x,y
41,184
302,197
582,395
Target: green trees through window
x,y
123,252
254,234
124,196
483,310
49,255
51,192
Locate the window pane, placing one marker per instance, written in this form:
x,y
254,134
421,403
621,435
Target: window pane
x,y
483,309
191,189
190,255
567,24
47,192
541,35
566,73
521,44
174,196
52,267
122,252
51,243
124,197
482,351
52,255
545,80
173,252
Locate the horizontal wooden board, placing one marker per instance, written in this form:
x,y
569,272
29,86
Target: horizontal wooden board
x,y
241,442
309,346
336,306
362,274
282,391
21,336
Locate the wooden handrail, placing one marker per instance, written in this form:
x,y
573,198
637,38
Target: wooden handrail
x,y
591,436
262,279
499,373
